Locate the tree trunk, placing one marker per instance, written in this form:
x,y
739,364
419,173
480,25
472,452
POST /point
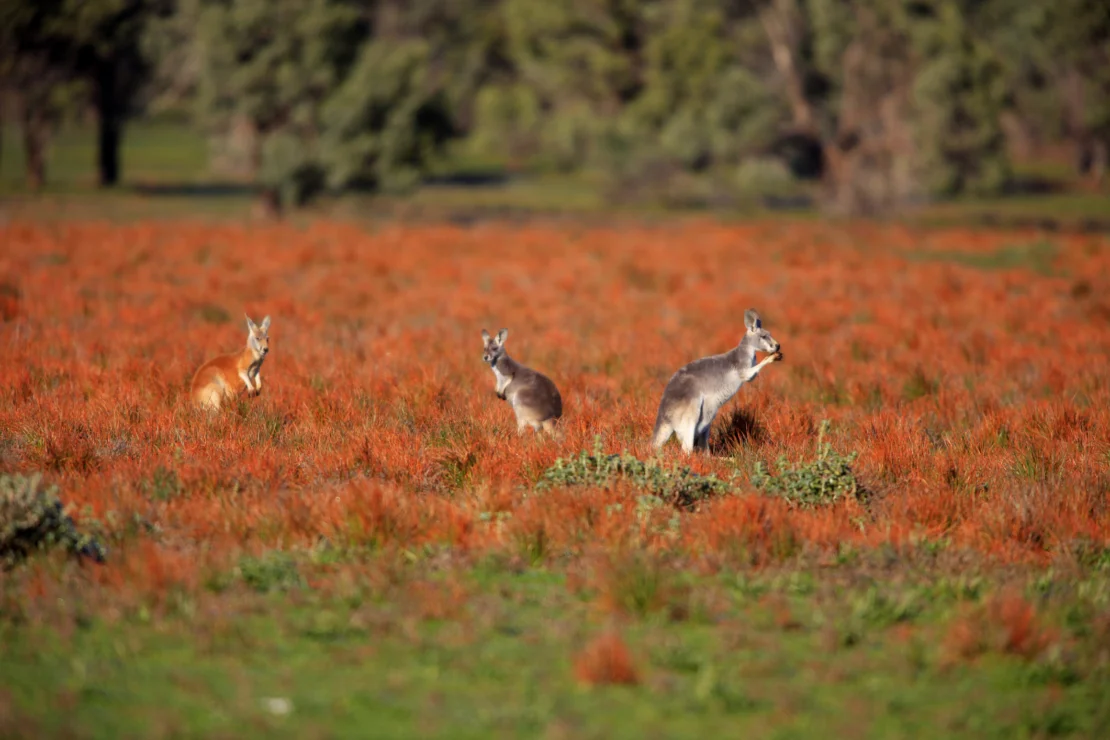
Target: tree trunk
x,y
2,111
110,123
781,22
34,147
268,205
1100,159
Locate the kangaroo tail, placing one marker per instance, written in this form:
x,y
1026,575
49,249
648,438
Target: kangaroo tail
x,y
663,429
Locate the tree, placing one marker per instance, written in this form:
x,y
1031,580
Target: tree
x,y
410,88
960,93
567,63
1055,61
846,72
273,64
699,103
384,121
336,91
108,35
1077,35
56,51
901,97
36,62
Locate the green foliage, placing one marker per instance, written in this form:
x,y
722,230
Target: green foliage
x,y
331,97
960,93
32,519
763,176
385,121
163,484
1057,62
507,121
570,51
1038,256
822,481
273,571
899,99
272,64
699,105
679,486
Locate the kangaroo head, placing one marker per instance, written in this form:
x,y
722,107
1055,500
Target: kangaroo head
x,y
758,337
493,347
258,337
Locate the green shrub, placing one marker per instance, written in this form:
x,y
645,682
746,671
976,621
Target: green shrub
x,y
273,571
763,176
32,518
679,486
819,482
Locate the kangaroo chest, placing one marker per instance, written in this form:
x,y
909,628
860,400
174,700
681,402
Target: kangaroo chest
x,y
502,380
717,394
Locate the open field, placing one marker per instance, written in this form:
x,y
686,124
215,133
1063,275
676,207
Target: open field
x,y
166,176
369,548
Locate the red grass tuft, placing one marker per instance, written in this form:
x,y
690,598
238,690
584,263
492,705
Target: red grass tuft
x,y
606,660
964,639
1007,623
1021,632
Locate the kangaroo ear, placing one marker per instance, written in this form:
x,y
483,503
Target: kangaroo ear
x,y
502,336
752,320
485,337
265,324
250,324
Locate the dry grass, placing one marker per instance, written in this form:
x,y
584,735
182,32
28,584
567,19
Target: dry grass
x,y
976,396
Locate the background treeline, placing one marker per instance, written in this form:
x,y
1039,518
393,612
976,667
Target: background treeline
x,y
882,102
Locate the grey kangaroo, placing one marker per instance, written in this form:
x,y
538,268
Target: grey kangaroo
x,y
696,392
534,398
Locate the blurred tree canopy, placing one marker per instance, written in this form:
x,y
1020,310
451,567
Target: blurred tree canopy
x,y
883,101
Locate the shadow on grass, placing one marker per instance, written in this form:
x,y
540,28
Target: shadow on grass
x,y
214,189
194,190
473,195
1026,184
740,431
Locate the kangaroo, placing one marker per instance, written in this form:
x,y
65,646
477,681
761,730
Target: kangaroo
x,y
698,390
216,380
534,398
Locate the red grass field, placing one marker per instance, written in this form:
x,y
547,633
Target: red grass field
x,y
972,383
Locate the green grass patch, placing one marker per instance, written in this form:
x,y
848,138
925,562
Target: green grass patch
x,y
166,152
152,151
1038,257
488,651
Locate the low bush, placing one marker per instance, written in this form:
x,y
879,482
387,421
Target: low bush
x,y
806,484
32,519
681,487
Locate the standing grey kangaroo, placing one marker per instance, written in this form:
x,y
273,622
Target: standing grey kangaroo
x,y
534,398
696,392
